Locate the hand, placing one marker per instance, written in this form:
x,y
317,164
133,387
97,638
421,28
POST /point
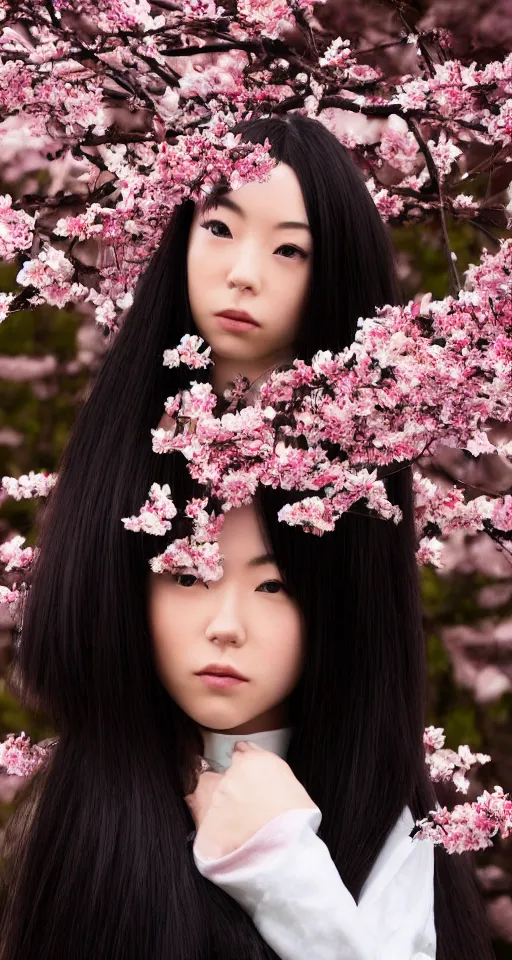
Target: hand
x,y
228,809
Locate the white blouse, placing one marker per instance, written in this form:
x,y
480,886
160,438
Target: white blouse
x,y
286,880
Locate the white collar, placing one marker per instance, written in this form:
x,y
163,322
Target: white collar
x,y
218,747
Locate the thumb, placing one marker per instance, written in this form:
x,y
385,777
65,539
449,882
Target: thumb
x,y
241,746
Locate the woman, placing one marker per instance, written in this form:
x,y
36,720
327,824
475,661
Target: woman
x,y
108,870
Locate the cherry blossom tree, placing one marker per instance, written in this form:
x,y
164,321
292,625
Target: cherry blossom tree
x,y
130,107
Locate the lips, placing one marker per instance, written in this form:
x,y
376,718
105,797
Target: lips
x,y
221,670
238,315
220,683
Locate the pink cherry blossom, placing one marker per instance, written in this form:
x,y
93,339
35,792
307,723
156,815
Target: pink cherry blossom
x,y
29,485
187,353
156,514
13,556
16,229
50,273
469,826
449,765
21,758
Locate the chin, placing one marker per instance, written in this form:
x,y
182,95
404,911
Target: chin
x,y
220,719
231,347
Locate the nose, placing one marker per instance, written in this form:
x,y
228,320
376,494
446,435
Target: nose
x,y
244,272
226,625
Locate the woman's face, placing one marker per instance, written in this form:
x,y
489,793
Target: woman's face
x,y
245,620
256,258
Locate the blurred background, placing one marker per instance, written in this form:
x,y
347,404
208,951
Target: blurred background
x,y
49,358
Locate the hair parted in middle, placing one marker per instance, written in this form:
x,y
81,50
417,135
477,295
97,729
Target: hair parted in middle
x,y
106,871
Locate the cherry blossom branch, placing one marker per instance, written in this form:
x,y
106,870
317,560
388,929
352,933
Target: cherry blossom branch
x,y
469,826
270,45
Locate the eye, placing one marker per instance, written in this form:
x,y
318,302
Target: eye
x,y
302,253
186,579
285,246
272,583
210,223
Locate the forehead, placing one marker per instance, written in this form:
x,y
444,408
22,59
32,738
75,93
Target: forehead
x,y
241,538
280,195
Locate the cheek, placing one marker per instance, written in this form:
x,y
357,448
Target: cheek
x,y
288,300
168,640
298,292
198,263
283,639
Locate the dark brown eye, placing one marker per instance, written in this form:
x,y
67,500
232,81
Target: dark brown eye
x,y
184,579
271,583
287,246
208,224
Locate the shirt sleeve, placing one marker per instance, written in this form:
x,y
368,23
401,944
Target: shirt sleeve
x,y
285,878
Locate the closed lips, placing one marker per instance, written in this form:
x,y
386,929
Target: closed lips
x,y
237,315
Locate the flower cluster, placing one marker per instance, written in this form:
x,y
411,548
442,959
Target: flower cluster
x,y
156,514
387,399
16,229
447,764
20,758
415,378
14,556
50,273
197,554
469,826
187,352
29,485
183,144
12,553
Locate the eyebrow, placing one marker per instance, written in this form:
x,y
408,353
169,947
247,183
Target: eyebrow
x,y
259,561
222,201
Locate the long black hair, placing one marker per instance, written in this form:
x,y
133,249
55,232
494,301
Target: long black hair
x,y
105,869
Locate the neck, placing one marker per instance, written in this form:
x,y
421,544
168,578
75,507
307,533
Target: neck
x,y
218,747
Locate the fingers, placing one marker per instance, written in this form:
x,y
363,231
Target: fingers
x,y
200,800
206,783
